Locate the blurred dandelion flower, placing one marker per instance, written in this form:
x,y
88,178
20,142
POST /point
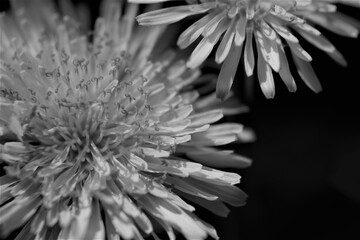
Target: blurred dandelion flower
x,y
101,142
234,24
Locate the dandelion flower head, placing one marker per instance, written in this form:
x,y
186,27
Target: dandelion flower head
x,y
100,141
234,24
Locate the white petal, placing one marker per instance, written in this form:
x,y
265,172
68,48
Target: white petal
x,y
202,51
96,228
175,216
17,212
79,226
324,44
158,190
208,117
204,48
307,73
265,78
285,15
194,31
121,222
188,188
216,207
206,227
144,223
213,23
155,152
216,177
240,30
175,167
267,31
137,162
299,51
226,43
218,159
268,49
227,72
283,31
180,202
284,71
229,194
249,54
171,14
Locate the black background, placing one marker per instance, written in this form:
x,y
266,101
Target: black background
x,y
305,179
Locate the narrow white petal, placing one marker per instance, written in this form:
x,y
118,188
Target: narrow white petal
x,y
171,14
201,119
218,159
324,44
96,228
194,31
249,60
216,207
144,223
17,212
229,194
284,71
79,226
121,222
213,23
174,216
265,78
268,49
188,188
227,72
299,51
206,227
204,48
240,30
307,73
226,43
174,198
283,31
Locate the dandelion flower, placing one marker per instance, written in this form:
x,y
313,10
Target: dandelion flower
x,y
235,23
101,142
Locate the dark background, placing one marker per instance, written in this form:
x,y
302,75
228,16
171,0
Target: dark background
x,y
305,179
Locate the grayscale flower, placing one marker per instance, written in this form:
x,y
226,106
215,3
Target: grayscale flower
x,y
234,23
100,141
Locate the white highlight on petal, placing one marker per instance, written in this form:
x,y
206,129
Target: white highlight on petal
x,y
249,54
265,77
